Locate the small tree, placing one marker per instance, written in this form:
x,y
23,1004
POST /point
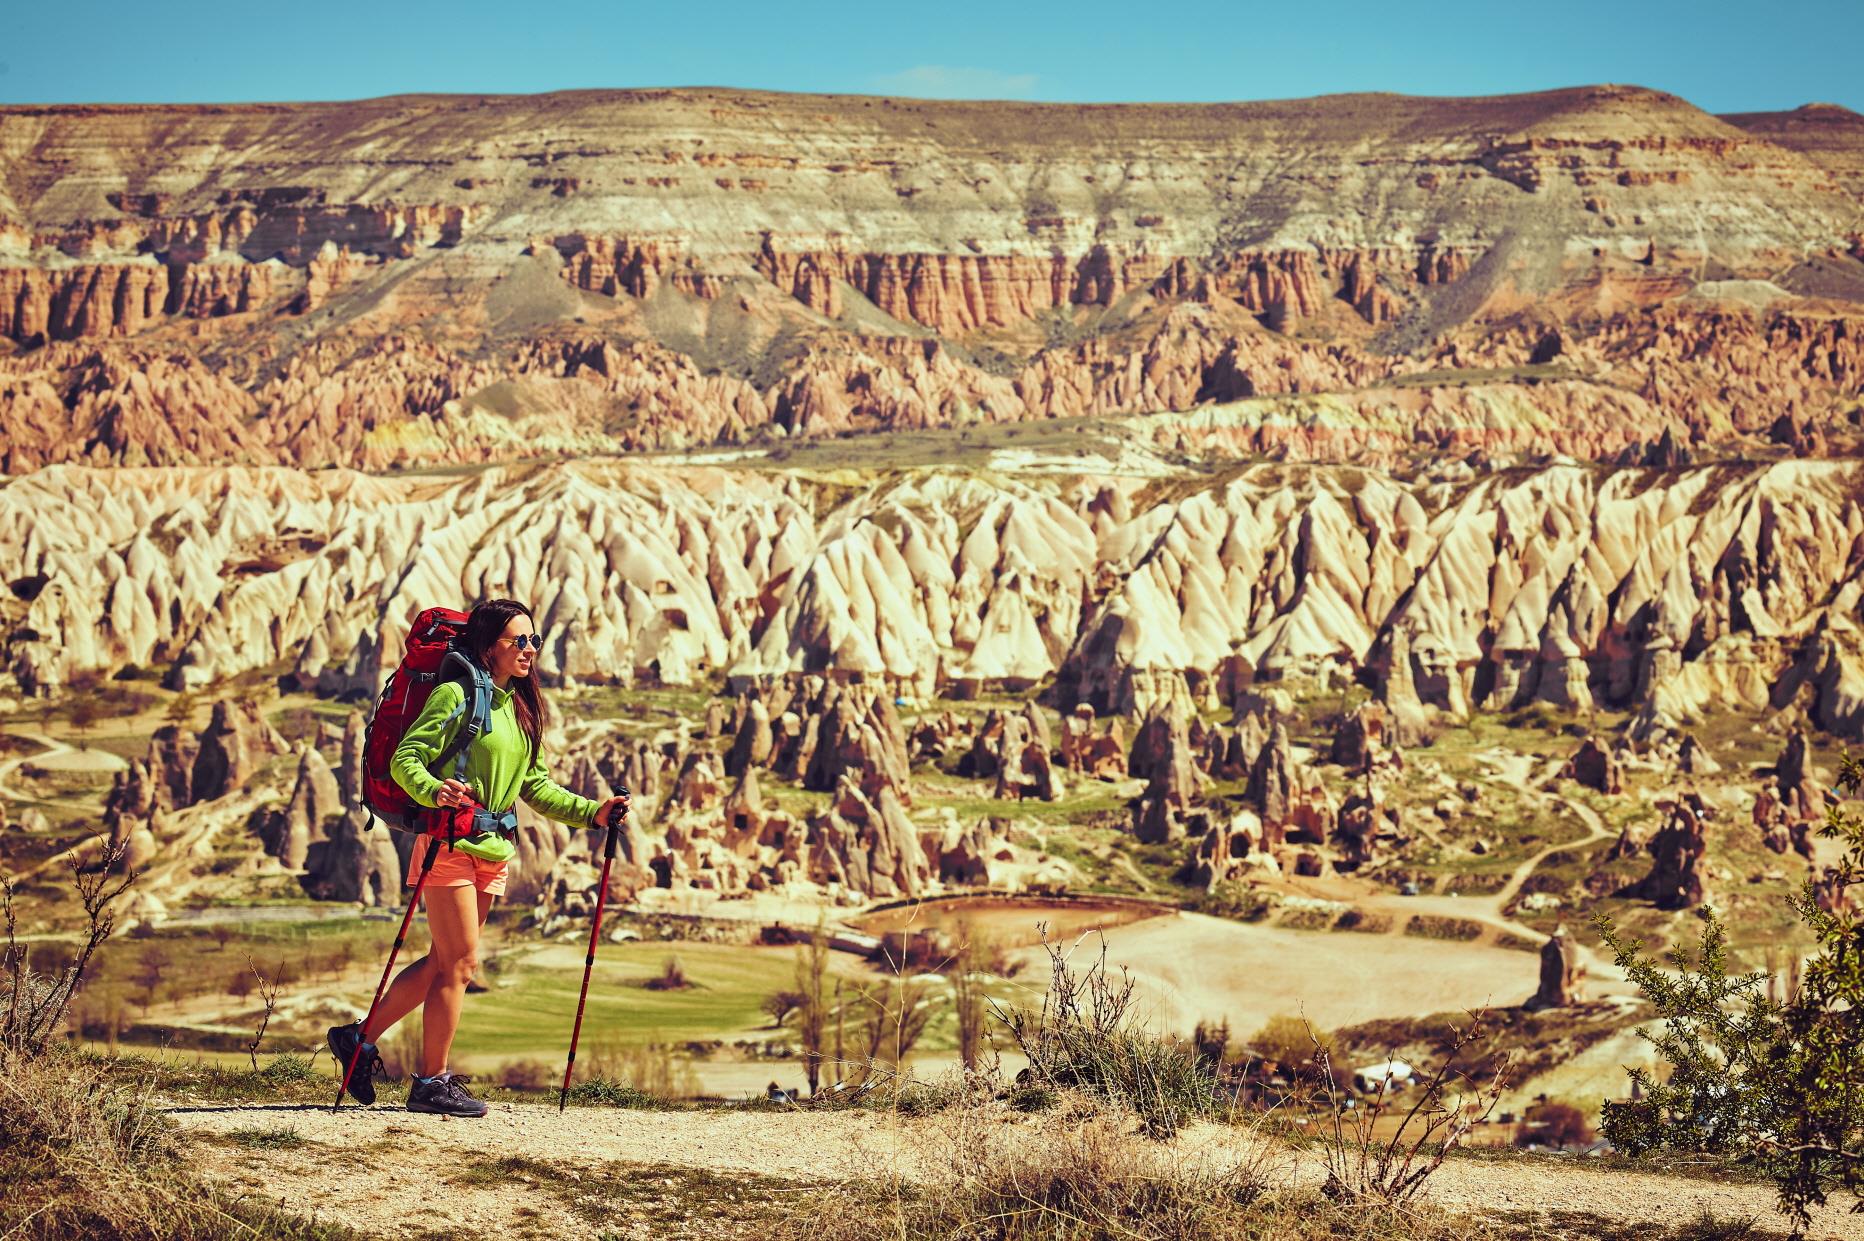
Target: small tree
x,y
150,966
778,1005
1289,1040
33,1006
672,977
82,715
811,974
968,996
1780,1082
268,998
1212,1041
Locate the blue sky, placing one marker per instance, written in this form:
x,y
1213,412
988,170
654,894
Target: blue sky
x,y
1722,56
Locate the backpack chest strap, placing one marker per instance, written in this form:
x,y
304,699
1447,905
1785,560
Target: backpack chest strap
x,y
505,824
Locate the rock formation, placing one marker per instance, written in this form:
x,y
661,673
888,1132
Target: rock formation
x,y
1796,780
1361,739
1361,826
130,280
1272,783
1235,846
1677,850
236,741
356,860
315,799
1089,752
1593,767
1560,972
812,587
1693,759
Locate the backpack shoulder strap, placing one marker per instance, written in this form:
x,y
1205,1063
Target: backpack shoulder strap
x,y
474,713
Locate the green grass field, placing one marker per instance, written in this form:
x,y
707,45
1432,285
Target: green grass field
x,y
532,1016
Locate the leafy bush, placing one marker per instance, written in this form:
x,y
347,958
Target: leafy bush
x,y
650,1069
1289,1040
1363,922
523,1075
1231,899
1780,1083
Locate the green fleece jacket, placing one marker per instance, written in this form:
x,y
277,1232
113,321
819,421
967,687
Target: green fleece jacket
x,y
498,765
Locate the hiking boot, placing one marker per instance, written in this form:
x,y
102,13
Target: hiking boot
x,y
444,1095
343,1041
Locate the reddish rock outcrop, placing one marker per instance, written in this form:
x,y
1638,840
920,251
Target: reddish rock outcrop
x,y
1593,766
1101,756
1677,850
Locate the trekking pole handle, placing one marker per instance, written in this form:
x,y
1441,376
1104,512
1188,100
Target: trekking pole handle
x,y
616,818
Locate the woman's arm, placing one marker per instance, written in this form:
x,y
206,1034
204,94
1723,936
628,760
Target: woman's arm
x,y
551,799
424,741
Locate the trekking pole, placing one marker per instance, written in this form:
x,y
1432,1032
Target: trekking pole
x,y
615,821
433,852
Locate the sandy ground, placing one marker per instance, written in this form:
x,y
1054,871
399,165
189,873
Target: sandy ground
x,y
800,1146
1191,968
1009,922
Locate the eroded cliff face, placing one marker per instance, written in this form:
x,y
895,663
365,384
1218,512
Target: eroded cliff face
x,y
1669,593
425,281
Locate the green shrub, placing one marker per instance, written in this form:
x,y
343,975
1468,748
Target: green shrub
x,y
1555,1124
601,1092
1778,1083
1239,901
287,1069
1436,926
1028,1098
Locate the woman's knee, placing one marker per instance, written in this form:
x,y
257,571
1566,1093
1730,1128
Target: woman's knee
x,y
459,970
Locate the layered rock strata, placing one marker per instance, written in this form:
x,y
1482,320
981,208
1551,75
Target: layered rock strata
x,y
1601,272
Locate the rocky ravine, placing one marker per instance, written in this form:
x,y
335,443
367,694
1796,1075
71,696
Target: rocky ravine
x,y
427,280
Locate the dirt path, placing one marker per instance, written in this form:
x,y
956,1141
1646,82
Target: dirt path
x,y
56,756
1489,910
421,1191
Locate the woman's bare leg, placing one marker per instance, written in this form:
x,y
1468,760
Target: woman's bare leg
x,y
404,995
454,916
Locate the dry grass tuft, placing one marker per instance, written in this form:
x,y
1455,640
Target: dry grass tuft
x,y
89,1155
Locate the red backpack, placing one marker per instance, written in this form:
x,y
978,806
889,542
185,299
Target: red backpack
x,y
432,655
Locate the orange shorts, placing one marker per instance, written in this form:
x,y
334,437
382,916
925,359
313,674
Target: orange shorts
x,y
454,869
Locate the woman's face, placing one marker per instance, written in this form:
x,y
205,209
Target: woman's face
x,y
507,659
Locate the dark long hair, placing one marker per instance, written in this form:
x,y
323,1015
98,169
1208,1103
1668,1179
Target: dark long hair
x,y
485,624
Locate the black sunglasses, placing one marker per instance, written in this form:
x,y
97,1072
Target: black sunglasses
x,y
534,640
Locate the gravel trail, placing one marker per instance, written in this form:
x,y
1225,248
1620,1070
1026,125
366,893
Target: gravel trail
x,y
410,1165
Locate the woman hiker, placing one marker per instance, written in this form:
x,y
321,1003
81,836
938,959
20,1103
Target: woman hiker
x,y
501,766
